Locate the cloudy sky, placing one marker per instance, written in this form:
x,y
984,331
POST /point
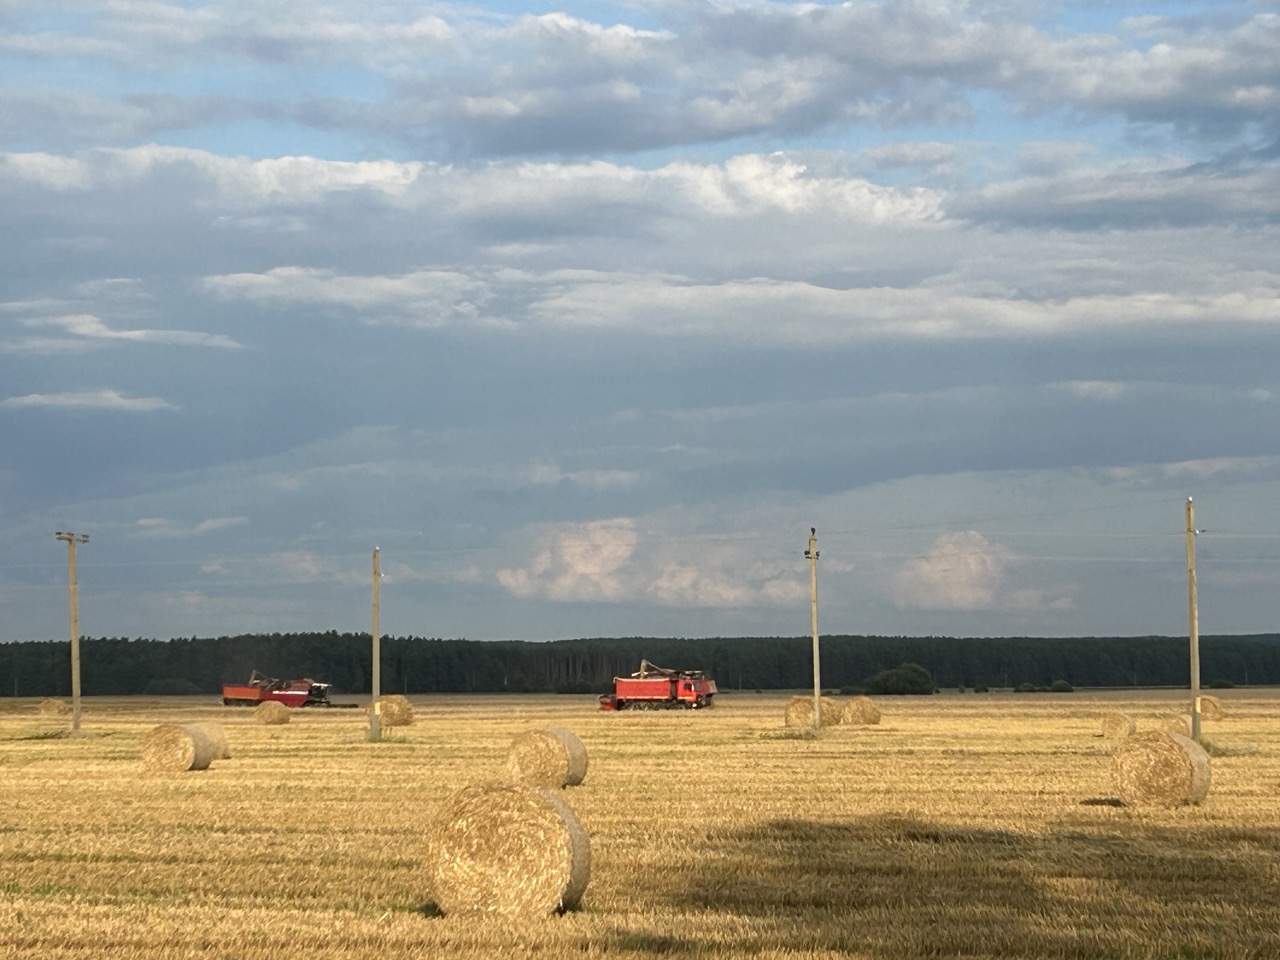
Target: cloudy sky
x,y
584,314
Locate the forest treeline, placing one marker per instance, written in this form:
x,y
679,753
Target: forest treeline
x,y
122,666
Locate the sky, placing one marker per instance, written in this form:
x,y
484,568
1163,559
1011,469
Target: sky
x,y
583,314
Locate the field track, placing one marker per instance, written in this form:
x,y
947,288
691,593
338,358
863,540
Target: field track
x,y
958,827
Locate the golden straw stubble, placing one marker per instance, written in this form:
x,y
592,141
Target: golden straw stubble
x,y
177,747
1160,769
53,707
508,849
551,757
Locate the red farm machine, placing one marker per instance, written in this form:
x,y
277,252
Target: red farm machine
x,y
657,688
292,693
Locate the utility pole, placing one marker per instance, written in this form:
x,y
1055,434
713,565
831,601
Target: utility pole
x,y
812,554
375,705
1194,616
72,539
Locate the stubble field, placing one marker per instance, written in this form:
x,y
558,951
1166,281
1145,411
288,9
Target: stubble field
x,y
957,827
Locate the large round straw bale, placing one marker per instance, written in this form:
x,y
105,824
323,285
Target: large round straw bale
x,y
552,757
800,712
217,735
1116,724
271,712
508,849
53,707
858,712
1210,708
177,747
395,711
1160,769
1175,723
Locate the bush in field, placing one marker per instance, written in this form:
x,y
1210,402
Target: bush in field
x,y
1026,688
979,688
909,678
1061,686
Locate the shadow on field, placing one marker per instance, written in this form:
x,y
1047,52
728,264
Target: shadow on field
x,y
867,863
904,887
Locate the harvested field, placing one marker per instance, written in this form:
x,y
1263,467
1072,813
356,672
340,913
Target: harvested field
x,y
963,825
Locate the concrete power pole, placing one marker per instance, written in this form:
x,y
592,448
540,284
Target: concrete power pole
x,y
375,706
72,539
1193,631
812,554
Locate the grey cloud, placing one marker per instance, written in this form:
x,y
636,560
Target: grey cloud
x,y
1132,195
71,120
559,86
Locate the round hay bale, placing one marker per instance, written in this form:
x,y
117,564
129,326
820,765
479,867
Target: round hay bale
x,y
800,712
1116,725
860,712
510,850
395,711
53,707
1160,769
217,735
1179,723
271,712
552,757
1211,708
177,747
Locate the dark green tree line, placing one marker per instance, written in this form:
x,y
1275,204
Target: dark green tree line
x,y
123,666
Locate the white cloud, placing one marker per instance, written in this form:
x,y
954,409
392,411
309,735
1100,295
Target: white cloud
x,y
966,571
604,561
163,528
548,474
424,298
1215,466
1095,389
90,327
93,400
962,571
585,561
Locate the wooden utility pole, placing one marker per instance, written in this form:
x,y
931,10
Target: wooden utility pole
x,y
72,539
375,705
1194,618
812,554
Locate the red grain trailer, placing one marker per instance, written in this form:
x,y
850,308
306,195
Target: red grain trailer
x,y
658,688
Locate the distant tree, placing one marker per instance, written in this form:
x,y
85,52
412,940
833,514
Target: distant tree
x,y
909,678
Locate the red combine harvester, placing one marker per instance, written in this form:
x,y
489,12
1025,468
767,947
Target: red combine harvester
x,y
292,693
657,688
